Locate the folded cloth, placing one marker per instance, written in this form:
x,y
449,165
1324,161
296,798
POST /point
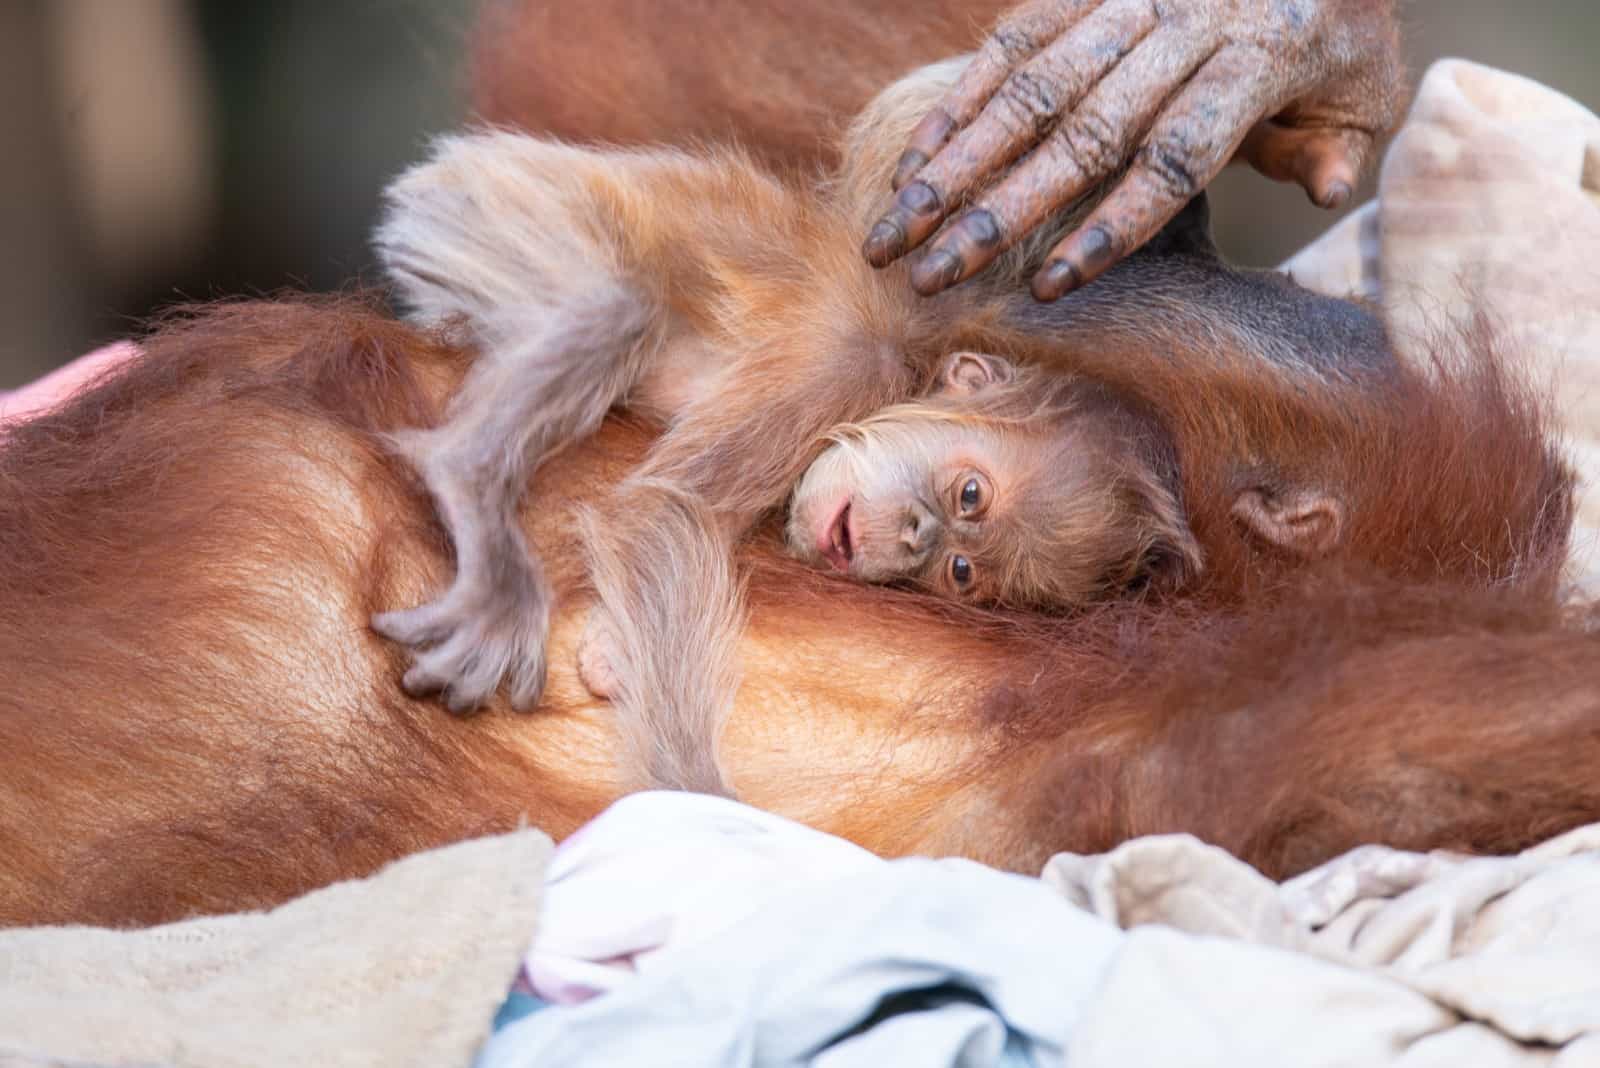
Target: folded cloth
x,y
1489,205
1505,950
405,967
1165,950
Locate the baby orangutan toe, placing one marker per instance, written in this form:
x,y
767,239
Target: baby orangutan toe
x,y
464,644
597,651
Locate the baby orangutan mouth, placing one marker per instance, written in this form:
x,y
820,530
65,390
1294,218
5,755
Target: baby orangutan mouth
x,y
833,540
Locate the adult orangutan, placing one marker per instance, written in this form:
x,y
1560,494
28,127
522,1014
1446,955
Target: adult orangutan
x,y
196,718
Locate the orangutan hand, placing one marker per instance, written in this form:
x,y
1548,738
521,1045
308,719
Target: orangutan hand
x,y
1076,89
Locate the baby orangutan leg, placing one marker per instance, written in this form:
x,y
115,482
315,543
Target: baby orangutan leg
x,y
493,620
522,400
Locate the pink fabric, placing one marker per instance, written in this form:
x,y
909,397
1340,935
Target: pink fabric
x,y
45,393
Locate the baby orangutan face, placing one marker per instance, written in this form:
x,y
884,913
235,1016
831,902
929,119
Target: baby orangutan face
x,y
1002,486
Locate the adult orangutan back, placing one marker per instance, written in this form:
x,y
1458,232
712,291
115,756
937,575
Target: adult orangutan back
x,y
195,718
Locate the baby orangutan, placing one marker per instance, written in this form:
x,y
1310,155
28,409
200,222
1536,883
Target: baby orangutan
x,y
998,484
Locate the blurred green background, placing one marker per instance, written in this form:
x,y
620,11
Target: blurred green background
x,y
163,150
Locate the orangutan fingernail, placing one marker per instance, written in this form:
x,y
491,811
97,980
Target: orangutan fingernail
x,y
935,272
911,161
1094,252
980,229
919,199
1089,253
1055,279
1335,195
885,243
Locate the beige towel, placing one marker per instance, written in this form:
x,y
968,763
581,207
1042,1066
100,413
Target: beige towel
x,y
406,967
1378,957
1489,200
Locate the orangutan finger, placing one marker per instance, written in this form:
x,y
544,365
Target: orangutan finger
x,y
1016,39
1090,143
1336,163
1188,146
1326,161
1026,106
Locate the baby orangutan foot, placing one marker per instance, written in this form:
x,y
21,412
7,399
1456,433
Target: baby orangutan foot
x,y
597,651
465,642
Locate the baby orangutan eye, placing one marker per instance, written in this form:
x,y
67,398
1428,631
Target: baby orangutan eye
x,y
972,498
960,571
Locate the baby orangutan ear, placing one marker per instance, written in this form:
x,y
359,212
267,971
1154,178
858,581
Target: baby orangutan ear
x,y
966,373
1307,523
1150,517
1172,557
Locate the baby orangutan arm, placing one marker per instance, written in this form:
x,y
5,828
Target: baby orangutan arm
x,y
1078,89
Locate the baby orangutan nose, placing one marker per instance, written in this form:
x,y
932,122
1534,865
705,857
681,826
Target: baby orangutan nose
x,y
918,532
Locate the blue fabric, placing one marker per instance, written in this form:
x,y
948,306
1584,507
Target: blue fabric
x,y
517,1005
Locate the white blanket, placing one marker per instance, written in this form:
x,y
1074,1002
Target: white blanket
x,y
1165,951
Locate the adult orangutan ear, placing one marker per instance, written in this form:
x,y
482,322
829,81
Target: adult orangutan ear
x,y
1307,523
966,373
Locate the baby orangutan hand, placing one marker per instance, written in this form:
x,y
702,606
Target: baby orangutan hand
x,y
1072,91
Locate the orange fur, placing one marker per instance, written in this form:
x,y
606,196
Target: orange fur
x,y
776,76
195,718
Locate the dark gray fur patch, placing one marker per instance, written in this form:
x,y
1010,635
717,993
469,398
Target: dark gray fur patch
x,y
1180,281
